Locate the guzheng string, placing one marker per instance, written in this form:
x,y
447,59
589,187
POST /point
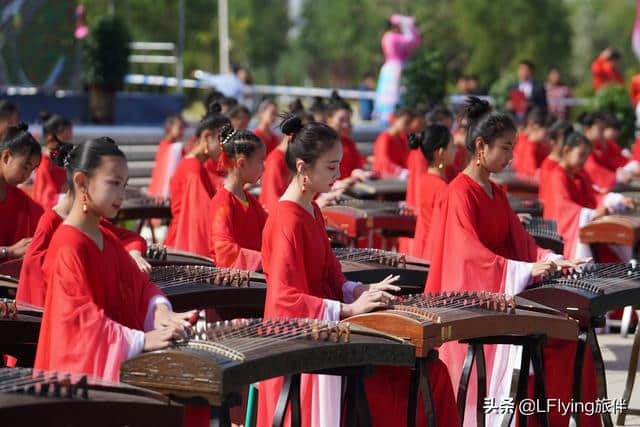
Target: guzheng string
x,y
455,301
367,255
171,276
28,378
602,276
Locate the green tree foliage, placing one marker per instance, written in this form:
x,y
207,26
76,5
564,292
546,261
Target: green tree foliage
x,y
425,78
107,53
614,99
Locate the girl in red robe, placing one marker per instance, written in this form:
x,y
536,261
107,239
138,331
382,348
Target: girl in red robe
x,y
532,146
436,146
276,176
192,185
304,279
97,301
19,156
575,202
558,132
267,115
168,155
476,242
339,118
391,147
237,219
31,289
50,181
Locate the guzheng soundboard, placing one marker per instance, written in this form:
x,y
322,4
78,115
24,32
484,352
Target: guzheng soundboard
x,y
526,205
138,205
379,189
357,218
32,398
223,357
233,292
162,255
588,295
516,184
18,332
428,321
623,229
545,233
373,265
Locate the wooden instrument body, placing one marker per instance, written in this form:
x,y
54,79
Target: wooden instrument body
x,y
545,233
516,184
358,222
18,333
106,404
612,229
190,373
379,189
465,323
159,255
526,204
8,286
138,205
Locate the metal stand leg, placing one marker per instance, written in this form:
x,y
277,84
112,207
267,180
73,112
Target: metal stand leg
x,y
289,394
631,375
540,390
601,379
464,381
427,398
412,405
481,370
220,416
577,376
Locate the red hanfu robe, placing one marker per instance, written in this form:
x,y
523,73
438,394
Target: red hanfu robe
x,y
235,238
608,154
603,72
351,157
167,158
599,174
433,189
215,176
20,215
191,189
31,286
417,165
390,153
269,140
96,307
545,169
476,242
275,179
49,182
528,155
459,163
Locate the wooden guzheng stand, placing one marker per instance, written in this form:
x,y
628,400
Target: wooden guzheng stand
x,y
587,297
212,366
18,333
428,321
30,398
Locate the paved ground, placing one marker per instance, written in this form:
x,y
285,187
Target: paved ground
x,y
615,352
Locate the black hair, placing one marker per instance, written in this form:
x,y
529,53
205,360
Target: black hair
x,y
7,109
537,116
296,106
214,120
438,114
529,64
213,96
308,141
228,103
431,139
238,142
53,124
238,110
19,141
590,118
611,121
336,103
560,129
402,111
484,123
575,139
615,54
85,157
318,105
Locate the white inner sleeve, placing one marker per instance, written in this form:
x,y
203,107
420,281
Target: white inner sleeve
x,y
506,364
134,340
614,202
583,250
325,403
331,310
403,175
632,167
347,291
151,309
518,276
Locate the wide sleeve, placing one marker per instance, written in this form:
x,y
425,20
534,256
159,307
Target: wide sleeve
x,y
31,286
600,176
223,244
383,162
93,343
457,253
32,215
130,240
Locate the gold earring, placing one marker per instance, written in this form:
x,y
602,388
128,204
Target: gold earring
x,y
85,209
304,184
440,165
478,160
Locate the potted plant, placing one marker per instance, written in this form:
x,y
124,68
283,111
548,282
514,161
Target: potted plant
x,y
107,62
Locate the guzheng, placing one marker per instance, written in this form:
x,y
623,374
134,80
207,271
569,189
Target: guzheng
x,y
138,205
516,184
232,293
613,229
8,286
161,255
18,333
373,265
428,321
588,295
357,218
545,233
379,189
30,397
223,357
526,205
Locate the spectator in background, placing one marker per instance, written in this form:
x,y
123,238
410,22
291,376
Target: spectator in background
x,y
527,91
557,94
606,69
473,88
366,105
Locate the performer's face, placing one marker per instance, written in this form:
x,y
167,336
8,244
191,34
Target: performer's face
x,y
16,168
326,169
499,153
251,167
105,187
576,157
340,121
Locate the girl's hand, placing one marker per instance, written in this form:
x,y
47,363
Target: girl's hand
x,y
18,249
543,269
163,317
524,218
385,285
161,338
142,263
600,212
367,301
